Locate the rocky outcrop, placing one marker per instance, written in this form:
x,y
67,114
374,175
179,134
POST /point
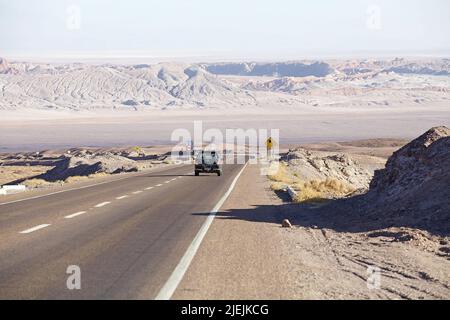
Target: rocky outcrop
x,y
415,184
4,67
420,161
415,68
287,85
282,69
71,166
319,166
202,87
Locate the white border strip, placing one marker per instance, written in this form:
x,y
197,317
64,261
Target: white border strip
x,y
90,186
177,275
64,191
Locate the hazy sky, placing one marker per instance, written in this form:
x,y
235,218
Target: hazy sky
x,y
226,28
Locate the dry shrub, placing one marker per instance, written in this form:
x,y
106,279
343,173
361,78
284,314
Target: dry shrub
x,y
37,183
99,175
84,178
281,178
315,190
282,175
41,183
76,179
277,186
308,191
9,174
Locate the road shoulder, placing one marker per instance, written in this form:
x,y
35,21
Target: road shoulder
x,y
240,256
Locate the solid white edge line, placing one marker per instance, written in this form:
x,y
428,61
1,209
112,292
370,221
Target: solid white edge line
x,y
177,275
158,185
63,191
36,228
102,204
79,188
70,216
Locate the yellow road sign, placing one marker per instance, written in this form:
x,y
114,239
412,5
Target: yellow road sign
x,y
269,143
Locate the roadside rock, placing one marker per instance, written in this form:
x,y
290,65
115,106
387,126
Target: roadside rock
x,y
71,166
286,224
316,165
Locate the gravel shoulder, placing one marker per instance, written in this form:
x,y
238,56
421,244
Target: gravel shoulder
x,y
247,255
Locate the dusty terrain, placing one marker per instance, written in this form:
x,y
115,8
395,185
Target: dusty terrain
x,y
11,173
329,252
54,167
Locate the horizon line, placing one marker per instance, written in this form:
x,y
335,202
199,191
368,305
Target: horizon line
x,y
106,56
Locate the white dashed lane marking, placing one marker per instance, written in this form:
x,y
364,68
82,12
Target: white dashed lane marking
x,y
70,216
41,226
102,204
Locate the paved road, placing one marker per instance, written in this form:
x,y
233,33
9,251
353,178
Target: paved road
x,y
126,236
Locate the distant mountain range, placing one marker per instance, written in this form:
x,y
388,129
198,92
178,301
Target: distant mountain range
x,y
78,86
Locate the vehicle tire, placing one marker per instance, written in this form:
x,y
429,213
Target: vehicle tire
x,y
219,173
197,173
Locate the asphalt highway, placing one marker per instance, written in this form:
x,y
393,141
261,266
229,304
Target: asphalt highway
x,y
126,236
